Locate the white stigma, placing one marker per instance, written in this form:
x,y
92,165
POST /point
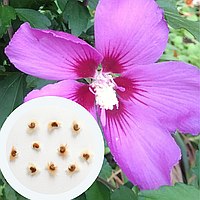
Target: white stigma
x,y
104,91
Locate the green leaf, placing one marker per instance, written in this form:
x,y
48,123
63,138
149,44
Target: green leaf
x,y
35,18
37,83
196,169
106,170
7,14
34,4
2,54
176,21
93,4
128,184
123,193
2,177
98,191
2,68
78,16
165,57
11,94
170,46
62,4
181,144
20,197
142,198
81,197
10,193
180,191
1,190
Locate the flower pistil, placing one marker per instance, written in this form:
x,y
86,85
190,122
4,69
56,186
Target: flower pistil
x,y
105,95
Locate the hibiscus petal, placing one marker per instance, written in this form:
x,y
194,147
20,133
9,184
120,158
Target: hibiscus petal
x,y
51,54
69,89
142,148
168,91
129,32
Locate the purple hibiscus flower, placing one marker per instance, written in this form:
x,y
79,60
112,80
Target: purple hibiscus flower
x,y
138,109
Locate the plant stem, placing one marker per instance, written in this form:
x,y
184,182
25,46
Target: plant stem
x,y
106,183
6,2
10,29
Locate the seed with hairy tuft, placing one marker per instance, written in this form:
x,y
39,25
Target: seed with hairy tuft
x,y
86,156
33,169
31,125
72,168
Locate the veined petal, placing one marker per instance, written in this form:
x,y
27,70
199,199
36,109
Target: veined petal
x,y
73,90
168,91
51,54
142,148
129,32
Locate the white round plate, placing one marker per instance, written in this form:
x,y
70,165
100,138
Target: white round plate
x,y
44,185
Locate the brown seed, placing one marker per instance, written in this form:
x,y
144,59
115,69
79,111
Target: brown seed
x,y
52,168
33,169
36,145
53,124
13,153
62,150
86,156
76,127
72,168
32,125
